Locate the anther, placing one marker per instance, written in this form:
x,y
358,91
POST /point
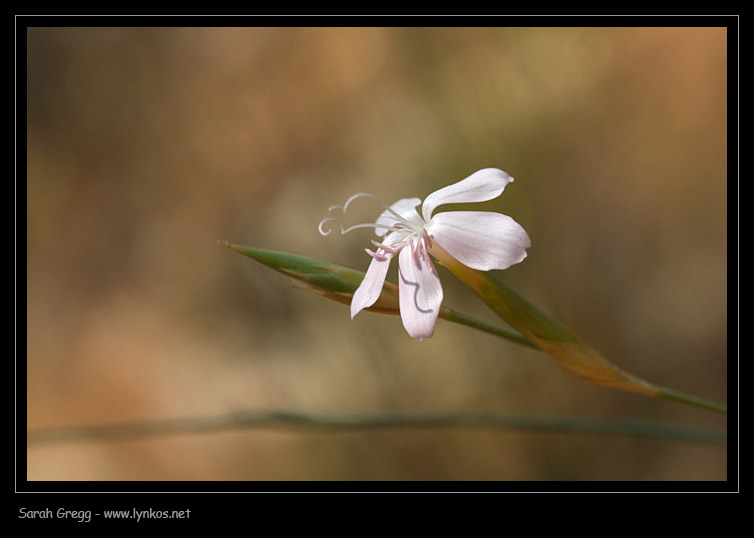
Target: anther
x,y
376,255
386,248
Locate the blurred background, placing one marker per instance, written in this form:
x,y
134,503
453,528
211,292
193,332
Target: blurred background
x,y
148,145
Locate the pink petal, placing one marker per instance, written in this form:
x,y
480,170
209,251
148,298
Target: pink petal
x,y
479,239
371,287
406,208
419,293
480,186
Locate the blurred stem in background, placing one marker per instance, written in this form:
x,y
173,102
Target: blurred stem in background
x,y
532,327
325,422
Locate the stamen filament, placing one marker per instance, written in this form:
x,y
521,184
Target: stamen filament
x,y
416,249
386,248
377,255
344,231
427,239
397,216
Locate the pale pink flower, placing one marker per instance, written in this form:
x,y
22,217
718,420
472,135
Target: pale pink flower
x,y
478,239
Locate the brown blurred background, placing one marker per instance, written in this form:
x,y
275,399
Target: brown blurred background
x,y
147,146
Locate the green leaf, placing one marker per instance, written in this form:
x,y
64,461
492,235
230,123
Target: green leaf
x,y
533,327
559,342
339,283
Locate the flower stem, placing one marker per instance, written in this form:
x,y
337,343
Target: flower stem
x,y
676,396
338,283
298,421
463,319
559,342
533,328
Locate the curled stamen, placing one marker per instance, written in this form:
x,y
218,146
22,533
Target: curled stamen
x,y
327,232
344,231
397,216
344,207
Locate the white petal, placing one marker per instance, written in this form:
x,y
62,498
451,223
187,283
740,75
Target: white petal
x,y
371,287
419,293
480,186
479,239
406,208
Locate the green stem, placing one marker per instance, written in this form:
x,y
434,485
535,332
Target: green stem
x,y
688,399
509,334
294,420
532,327
556,340
338,283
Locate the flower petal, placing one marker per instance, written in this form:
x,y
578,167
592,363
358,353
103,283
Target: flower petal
x,y
479,239
406,208
371,287
419,293
480,186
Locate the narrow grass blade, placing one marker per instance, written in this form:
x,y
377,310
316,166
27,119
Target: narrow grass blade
x,y
303,421
556,340
339,283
